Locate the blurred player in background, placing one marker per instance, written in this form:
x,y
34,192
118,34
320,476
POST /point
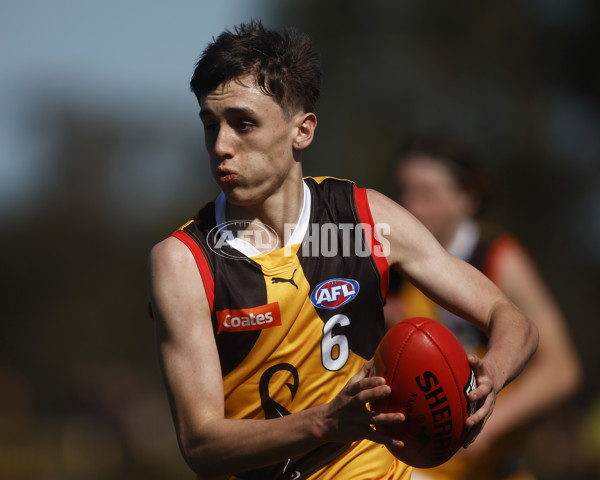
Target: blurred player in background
x,y
438,181
265,345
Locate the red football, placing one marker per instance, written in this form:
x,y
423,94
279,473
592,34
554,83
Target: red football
x,y
427,369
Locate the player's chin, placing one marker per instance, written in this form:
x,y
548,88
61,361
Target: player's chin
x,y
244,195
236,195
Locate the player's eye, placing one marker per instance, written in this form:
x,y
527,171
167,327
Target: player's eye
x,y
243,125
211,126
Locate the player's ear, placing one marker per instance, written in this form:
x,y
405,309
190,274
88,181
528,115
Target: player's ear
x,y
306,124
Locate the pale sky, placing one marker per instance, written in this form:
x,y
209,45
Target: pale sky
x,y
137,53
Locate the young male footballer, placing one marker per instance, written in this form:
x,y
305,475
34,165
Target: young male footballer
x,y
269,303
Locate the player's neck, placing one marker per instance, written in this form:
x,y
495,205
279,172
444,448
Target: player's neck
x,y
278,209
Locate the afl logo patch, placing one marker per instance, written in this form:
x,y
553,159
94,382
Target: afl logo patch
x,y
334,293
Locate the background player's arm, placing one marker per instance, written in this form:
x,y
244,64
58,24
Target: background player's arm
x,y
464,290
554,371
211,444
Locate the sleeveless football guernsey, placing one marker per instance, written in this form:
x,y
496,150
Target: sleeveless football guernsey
x,y
292,326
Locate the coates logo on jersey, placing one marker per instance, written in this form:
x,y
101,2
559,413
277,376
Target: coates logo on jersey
x,y
334,293
245,319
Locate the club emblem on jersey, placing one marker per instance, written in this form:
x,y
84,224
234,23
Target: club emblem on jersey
x,y
334,293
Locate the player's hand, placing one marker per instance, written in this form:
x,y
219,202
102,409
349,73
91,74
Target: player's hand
x,y
346,418
484,396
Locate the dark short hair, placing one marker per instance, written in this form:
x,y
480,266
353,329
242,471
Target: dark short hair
x,y
284,64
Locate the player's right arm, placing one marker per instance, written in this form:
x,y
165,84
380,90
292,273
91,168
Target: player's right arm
x,y
211,444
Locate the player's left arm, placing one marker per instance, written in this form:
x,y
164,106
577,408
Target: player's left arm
x,y
462,289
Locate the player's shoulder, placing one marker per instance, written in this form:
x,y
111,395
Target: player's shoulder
x,y
170,252
174,248
378,199
384,209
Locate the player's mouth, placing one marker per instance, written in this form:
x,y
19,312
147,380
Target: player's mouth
x,y
225,175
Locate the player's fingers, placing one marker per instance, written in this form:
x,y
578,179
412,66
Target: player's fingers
x,y
368,367
483,381
484,388
379,437
475,362
396,447
472,435
477,366
363,373
372,392
484,411
363,384
377,418
476,421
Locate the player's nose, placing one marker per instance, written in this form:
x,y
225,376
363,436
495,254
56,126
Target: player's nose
x,y
223,146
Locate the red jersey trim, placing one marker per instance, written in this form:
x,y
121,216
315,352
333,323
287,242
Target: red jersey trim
x,y
205,273
365,216
495,256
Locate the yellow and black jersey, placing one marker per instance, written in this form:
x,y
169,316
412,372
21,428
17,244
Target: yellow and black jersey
x,y
294,325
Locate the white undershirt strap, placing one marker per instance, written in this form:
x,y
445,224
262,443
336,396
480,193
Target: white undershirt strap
x,y
298,230
465,239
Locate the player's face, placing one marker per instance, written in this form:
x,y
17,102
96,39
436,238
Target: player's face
x,y
249,141
430,193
